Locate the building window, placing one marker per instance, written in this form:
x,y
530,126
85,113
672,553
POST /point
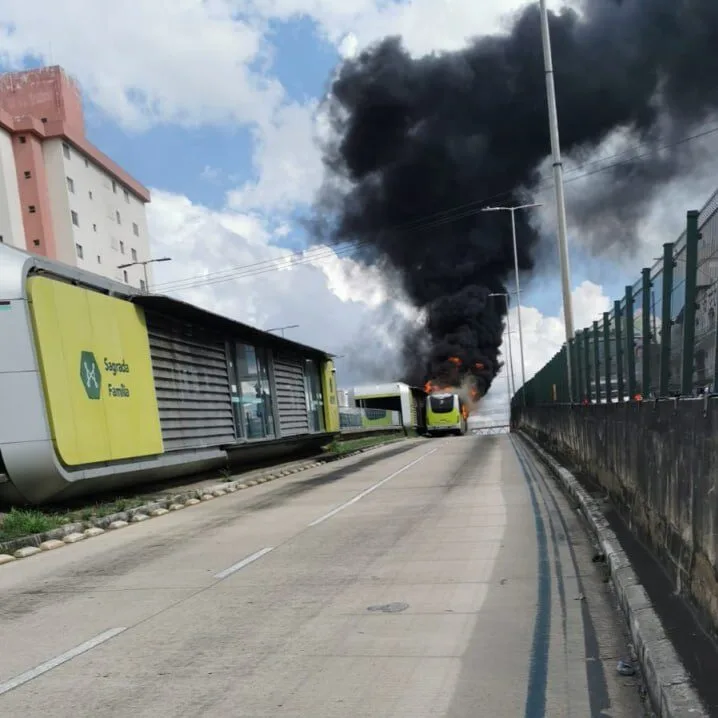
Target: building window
x,y
1,239
36,242
122,247
31,209
117,217
87,162
89,194
135,229
114,186
143,286
124,274
71,185
66,150
99,261
75,218
22,139
94,228
254,416
134,255
313,387
127,197
78,249
43,120
28,174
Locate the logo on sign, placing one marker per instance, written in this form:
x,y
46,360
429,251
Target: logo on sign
x,y
90,375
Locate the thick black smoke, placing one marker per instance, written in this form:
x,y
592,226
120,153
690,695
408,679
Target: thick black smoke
x,y
418,145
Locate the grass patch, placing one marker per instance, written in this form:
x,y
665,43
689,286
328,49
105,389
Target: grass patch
x,y
24,522
345,447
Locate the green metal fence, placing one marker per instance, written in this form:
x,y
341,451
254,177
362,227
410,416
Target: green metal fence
x,y
660,338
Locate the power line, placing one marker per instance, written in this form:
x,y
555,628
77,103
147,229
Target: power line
x,y
429,221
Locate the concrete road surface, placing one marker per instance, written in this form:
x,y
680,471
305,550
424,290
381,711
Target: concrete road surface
x,y
442,577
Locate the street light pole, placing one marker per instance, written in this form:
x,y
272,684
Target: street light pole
x,y
512,385
513,211
560,198
507,299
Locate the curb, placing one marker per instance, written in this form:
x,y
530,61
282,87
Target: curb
x,y
27,546
668,683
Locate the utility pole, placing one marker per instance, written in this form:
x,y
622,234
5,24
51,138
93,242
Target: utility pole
x,y
513,211
560,198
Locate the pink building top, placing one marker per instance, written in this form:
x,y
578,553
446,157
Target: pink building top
x,y
48,104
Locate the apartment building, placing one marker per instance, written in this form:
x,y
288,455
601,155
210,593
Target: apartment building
x,y
60,196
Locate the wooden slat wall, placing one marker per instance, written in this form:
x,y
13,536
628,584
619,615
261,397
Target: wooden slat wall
x,y
291,395
192,385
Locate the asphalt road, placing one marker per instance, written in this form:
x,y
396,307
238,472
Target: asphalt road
x,y
430,578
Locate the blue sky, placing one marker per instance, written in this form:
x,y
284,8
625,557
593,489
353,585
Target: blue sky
x,y
175,158
204,163
227,147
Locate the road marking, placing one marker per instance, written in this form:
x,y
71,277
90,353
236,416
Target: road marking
x,y
370,489
244,562
59,660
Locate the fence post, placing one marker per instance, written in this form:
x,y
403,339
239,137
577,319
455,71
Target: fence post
x,y
571,352
630,344
578,355
689,316
646,332
607,356
666,314
596,362
587,362
619,348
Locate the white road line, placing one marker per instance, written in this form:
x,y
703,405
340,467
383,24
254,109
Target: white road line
x,y
370,489
244,562
59,660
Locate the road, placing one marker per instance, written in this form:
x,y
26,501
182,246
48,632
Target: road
x,y
430,578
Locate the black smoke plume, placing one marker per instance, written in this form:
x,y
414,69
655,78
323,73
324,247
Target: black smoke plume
x,y
420,144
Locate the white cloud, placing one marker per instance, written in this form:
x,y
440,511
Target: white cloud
x,y
234,270
200,63
189,62
287,162
425,25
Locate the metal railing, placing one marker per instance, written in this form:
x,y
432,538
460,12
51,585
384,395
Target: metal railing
x,y
659,340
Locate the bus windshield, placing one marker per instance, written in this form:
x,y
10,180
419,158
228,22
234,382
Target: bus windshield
x,y
442,403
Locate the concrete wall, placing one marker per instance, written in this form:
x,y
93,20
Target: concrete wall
x,y
659,463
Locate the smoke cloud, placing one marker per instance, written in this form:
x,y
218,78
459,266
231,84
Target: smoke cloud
x,y
419,145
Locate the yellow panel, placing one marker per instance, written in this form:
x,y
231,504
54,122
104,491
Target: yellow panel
x,y
97,374
331,407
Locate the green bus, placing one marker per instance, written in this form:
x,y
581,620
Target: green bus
x,y
445,414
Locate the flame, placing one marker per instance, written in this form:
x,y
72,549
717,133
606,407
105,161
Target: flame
x,y
455,361
479,366
465,411
433,386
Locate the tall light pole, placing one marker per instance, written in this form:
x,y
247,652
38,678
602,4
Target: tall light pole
x,y
144,267
513,211
512,382
560,198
